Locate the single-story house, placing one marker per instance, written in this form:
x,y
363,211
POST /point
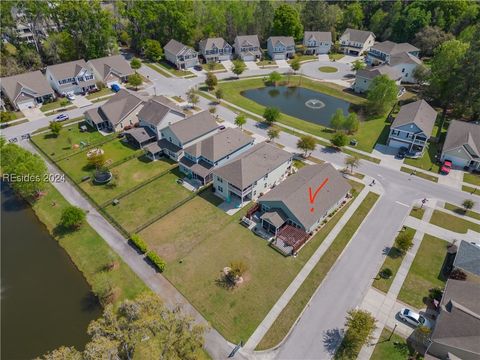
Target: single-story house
x,y
382,52
456,334
252,173
182,56
74,76
413,126
247,47
215,49
27,90
281,47
118,112
201,158
317,42
111,69
158,113
356,42
364,77
462,144
182,134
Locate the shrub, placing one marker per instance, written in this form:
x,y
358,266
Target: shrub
x,y
72,217
64,102
139,243
435,294
458,274
157,261
339,140
386,273
404,241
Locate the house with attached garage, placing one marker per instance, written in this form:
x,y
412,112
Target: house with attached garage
x,y
317,42
281,47
201,158
462,144
215,50
111,69
120,111
182,134
287,212
27,90
247,47
252,173
182,56
364,77
412,127
356,42
158,113
74,76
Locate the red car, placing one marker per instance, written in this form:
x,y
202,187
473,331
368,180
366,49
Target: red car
x,y
446,167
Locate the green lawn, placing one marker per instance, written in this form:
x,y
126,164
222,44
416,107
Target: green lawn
x,y
305,58
425,271
77,166
428,160
298,164
392,261
460,210
103,92
328,69
126,176
171,68
453,223
149,201
417,212
65,143
158,69
90,253
394,349
290,313
267,62
60,102
14,115
216,67
419,174
470,189
473,179
335,56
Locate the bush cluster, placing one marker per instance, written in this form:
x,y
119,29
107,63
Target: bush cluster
x,y
139,243
157,261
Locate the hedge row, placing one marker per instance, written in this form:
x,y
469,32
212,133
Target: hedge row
x,y
139,243
157,261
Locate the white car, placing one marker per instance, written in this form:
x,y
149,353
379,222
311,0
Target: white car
x,y
413,318
70,96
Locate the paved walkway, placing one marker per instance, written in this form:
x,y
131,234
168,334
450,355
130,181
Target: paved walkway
x,y
440,232
302,275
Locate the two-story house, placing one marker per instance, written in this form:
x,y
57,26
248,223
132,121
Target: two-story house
x,y
364,77
247,47
74,76
462,144
317,42
111,69
158,113
201,158
356,42
281,47
412,127
182,56
215,49
27,90
252,173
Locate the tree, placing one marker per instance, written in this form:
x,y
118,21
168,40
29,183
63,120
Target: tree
x,y
382,95
421,74
274,77
240,120
351,123
153,50
360,326
211,81
271,115
273,133
404,241
468,204
97,160
59,47
72,217
219,95
135,80
352,161
429,38
237,269
339,139
358,65
63,353
337,120
307,144
135,63
295,64
286,22
212,110
55,127
192,97
353,16
238,67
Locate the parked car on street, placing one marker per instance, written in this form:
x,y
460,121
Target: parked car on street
x,y
446,167
115,88
62,117
411,317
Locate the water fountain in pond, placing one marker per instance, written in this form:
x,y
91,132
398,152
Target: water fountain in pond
x,y
314,104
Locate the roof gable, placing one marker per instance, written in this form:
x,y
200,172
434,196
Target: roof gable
x,y
420,113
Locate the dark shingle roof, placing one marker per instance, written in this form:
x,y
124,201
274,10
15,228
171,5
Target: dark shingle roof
x,y
208,44
155,110
359,36
32,81
120,105
285,40
116,64
462,133
373,72
194,126
420,113
468,258
174,47
392,48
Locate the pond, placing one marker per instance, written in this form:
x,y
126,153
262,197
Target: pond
x,y
45,300
299,102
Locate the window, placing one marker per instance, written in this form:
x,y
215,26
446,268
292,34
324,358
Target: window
x,y
265,185
403,70
220,179
265,177
220,188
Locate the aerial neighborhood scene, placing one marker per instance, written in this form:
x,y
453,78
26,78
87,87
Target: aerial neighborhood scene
x,y
192,179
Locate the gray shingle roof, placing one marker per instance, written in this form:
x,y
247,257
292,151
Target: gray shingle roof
x,y
155,110
253,165
359,36
194,126
141,134
247,41
219,145
392,48
208,44
317,35
461,133
404,58
175,47
67,70
275,217
468,258
111,64
285,40
119,106
294,192
420,113
32,81
373,72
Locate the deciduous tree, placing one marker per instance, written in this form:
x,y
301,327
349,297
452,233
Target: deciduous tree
x,y
338,119
352,162
153,50
382,95
274,77
271,115
429,38
360,326
135,63
135,80
286,22
307,144
273,133
351,123
55,127
404,241
211,81
72,217
238,67
240,120
339,139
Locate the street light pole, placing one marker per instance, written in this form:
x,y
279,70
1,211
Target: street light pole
x,y
393,331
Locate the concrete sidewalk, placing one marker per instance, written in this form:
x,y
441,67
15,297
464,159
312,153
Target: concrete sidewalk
x,y
440,232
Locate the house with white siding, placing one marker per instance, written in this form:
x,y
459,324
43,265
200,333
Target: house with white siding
x,y
180,55
356,42
111,69
215,50
74,76
317,42
462,144
158,113
364,77
247,47
281,47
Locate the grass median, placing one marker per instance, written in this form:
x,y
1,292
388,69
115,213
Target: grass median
x,y
461,211
453,223
297,303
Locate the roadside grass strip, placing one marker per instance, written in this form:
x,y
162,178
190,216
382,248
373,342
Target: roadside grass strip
x,y
473,179
417,213
419,174
453,223
158,69
461,211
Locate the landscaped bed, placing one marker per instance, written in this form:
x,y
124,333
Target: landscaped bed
x,y
425,272
453,223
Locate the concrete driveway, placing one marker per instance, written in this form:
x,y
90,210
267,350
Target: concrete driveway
x,y
251,65
227,64
282,63
81,101
33,113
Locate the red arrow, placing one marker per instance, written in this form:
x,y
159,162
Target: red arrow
x,y
314,195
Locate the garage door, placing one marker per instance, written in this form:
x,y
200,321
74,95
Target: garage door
x,y
248,58
279,57
397,144
456,161
26,104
